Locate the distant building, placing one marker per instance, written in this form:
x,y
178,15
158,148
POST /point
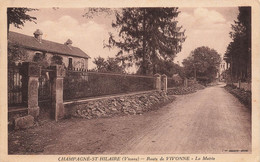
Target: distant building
x,y
72,57
223,67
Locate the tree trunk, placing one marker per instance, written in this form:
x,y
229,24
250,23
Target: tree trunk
x,y
195,74
144,44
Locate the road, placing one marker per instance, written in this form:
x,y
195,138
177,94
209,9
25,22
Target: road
x,y
209,121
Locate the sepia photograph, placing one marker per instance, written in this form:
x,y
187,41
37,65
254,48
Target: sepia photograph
x,y
138,81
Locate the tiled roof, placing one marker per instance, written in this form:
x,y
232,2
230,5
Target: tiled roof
x,y
45,45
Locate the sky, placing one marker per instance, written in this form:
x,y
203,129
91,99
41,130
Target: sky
x,y
204,27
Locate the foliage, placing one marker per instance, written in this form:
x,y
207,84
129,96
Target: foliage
x,y
226,75
16,54
109,65
238,52
18,16
202,64
169,68
56,60
41,59
147,35
91,12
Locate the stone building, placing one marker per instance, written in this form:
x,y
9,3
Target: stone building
x,y
72,57
222,68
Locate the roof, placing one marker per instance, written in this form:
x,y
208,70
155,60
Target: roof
x,y
48,46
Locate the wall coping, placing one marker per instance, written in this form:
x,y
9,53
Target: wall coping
x,y
174,87
105,97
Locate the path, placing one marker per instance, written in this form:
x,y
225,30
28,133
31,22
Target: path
x,y
208,121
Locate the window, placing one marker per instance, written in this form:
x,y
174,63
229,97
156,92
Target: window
x,y
70,64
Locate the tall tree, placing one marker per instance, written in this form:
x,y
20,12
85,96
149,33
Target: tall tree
x,y
202,64
18,16
147,35
238,52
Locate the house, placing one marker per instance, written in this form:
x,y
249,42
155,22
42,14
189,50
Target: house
x,y
71,57
222,68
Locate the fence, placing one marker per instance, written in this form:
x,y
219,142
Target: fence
x,y
30,85
14,86
78,84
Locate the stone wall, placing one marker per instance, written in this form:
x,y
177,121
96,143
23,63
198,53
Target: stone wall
x,y
244,86
243,96
182,90
129,104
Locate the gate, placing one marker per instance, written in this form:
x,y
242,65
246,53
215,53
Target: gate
x,y
44,91
14,86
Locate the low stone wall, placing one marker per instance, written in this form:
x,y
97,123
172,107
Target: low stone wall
x,y
129,104
185,90
243,96
244,86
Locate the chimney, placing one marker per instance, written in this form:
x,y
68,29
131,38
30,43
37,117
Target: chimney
x,y
38,35
68,43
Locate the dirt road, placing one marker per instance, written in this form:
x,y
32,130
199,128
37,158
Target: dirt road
x,y
208,121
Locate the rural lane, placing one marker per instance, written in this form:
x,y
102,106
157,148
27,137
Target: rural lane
x,y
208,121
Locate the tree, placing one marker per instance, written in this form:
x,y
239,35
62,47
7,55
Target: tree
x,y
202,64
56,60
41,59
109,65
100,63
146,36
238,53
18,16
16,54
168,68
92,12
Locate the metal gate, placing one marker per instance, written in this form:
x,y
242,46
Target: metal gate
x,y
14,86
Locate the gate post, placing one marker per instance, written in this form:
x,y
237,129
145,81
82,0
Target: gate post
x,y
157,83
164,82
185,82
31,74
57,91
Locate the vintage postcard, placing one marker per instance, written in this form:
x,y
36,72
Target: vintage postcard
x,y
129,81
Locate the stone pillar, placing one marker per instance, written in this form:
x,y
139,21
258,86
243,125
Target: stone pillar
x,y
164,82
239,84
185,82
157,83
57,91
31,74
